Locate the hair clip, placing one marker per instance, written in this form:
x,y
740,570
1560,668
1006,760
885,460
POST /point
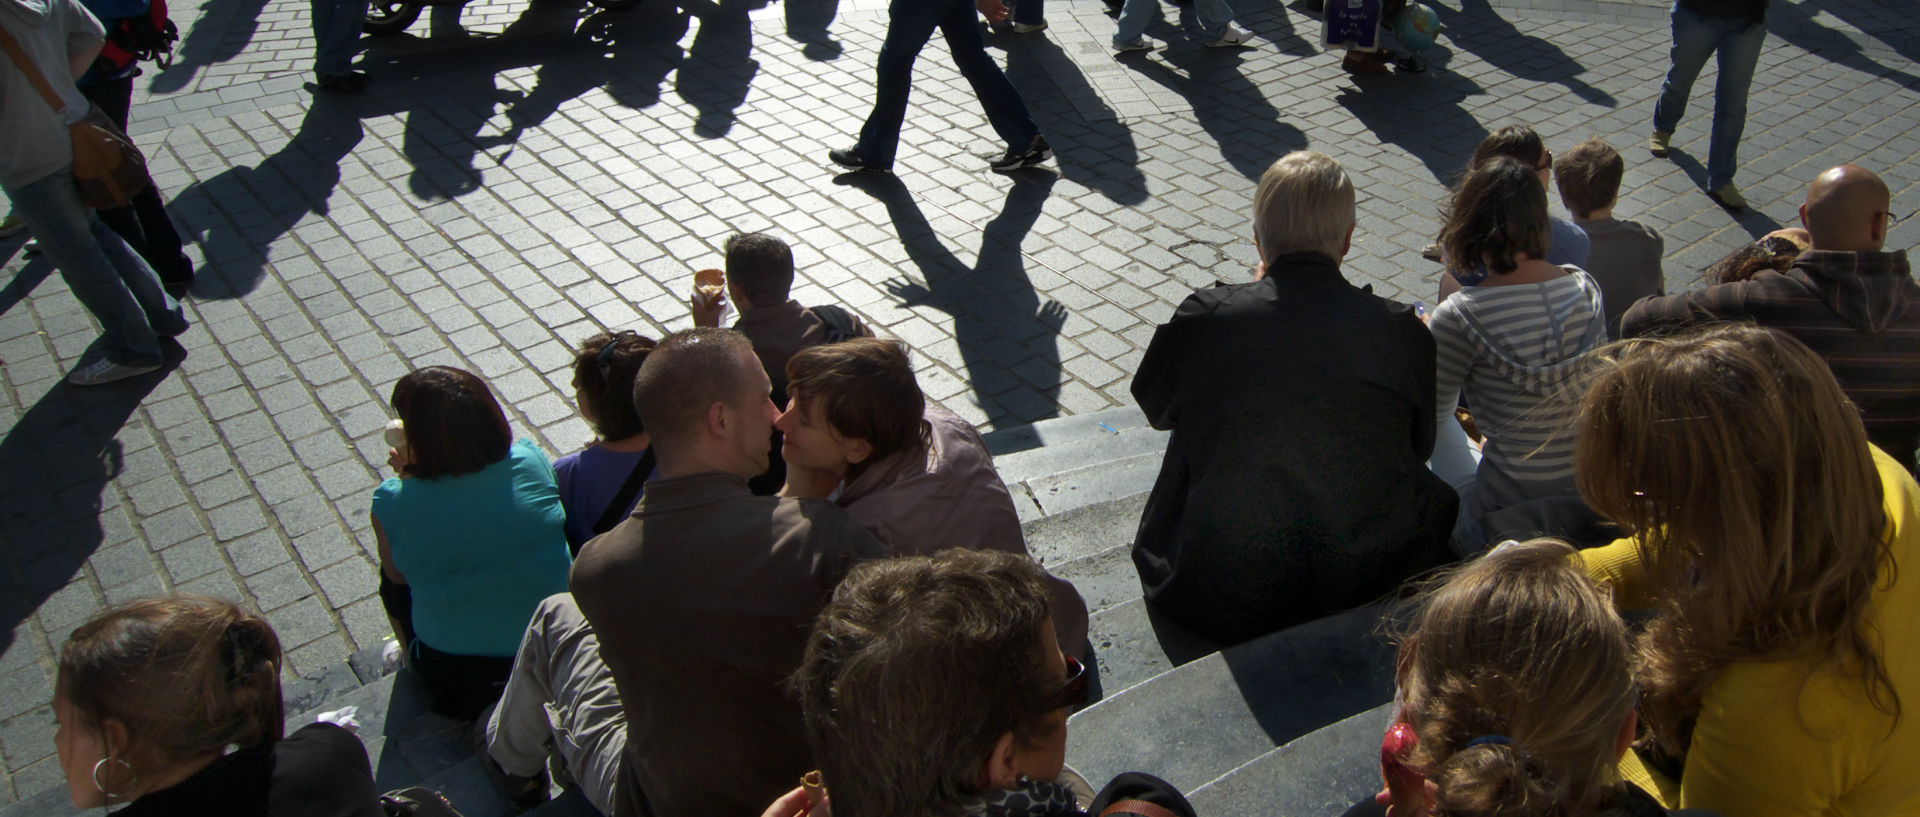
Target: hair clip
x,y
1499,740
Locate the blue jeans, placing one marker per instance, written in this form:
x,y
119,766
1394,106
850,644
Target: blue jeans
x,y
910,25
1738,43
336,34
106,275
1212,15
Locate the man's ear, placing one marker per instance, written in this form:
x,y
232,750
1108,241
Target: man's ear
x,y
858,450
718,418
1348,246
1803,217
999,772
1877,227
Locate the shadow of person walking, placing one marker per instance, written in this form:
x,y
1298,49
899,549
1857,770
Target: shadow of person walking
x,y
720,67
220,33
1092,145
1478,28
1006,336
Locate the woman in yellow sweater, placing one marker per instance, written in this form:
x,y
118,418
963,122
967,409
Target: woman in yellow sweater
x,y
1777,547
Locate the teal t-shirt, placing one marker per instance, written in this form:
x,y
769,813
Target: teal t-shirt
x,y
480,550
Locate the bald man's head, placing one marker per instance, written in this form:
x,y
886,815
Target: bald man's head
x,y
1846,210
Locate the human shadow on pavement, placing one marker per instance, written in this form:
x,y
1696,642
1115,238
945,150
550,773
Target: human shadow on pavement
x,y
1092,145
55,464
719,69
1478,28
1007,337
222,32
628,53
1426,117
1233,110
238,215
808,22
1793,23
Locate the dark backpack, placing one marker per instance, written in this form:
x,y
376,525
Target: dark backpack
x,y
840,323
148,37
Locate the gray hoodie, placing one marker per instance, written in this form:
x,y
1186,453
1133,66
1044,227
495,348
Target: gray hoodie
x,y
50,33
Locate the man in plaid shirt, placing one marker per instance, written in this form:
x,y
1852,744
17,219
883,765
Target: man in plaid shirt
x,y
1845,298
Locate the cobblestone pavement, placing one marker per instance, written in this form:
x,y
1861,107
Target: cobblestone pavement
x,y
504,193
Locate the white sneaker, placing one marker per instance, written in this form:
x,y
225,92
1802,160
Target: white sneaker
x,y
106,371
1233,37
1029,28
1142,44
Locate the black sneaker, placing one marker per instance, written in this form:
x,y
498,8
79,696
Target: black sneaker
x,y
1016,158
845,157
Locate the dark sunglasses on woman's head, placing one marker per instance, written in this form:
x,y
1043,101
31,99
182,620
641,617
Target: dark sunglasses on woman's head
x,y
1072,693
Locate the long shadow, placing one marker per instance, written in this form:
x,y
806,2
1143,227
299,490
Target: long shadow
x,y
1750,219
629,53
808,22
1232,110
1872,21
222,32
55,463
1006,336
1427,118
720,66
1790,22
1478,28
237,215
1092,145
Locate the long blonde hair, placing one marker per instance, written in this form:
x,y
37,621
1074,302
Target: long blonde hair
x,y
1745,475
1518,647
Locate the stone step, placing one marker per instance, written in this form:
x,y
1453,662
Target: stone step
x,y
1026,451
1320,774
1091,530
1197,721
1062,464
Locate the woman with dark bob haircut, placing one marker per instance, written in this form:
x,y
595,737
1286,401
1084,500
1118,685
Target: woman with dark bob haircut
x,y
1515,346
172,705
471,537
1778,548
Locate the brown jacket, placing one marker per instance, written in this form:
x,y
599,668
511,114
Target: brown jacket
x,y
702,600
928,499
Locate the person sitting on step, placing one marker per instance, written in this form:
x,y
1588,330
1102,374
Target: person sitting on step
x,y
858,431
172,706
599,483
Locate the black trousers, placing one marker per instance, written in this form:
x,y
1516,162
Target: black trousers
x,y
143,222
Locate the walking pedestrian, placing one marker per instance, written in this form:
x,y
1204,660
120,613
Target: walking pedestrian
x,y
1734,30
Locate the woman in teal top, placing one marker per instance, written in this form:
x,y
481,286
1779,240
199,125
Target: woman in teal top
x,y
471,537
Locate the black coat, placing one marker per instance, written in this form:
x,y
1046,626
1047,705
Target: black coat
x,y
319,771
1295,483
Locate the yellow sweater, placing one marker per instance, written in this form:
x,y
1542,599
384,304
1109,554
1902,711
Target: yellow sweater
x,y
1764,744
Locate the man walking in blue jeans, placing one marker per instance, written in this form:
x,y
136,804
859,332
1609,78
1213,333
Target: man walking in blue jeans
x,y
911,23
1736,29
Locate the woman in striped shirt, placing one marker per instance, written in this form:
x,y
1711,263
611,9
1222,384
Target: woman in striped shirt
x,y
1514,344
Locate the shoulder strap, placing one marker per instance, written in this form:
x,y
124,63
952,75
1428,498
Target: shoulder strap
x,y
629,490
39,80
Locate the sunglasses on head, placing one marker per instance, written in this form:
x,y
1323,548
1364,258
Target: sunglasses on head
x,y
1073,692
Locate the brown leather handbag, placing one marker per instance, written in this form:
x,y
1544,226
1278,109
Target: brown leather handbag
x,y
107,167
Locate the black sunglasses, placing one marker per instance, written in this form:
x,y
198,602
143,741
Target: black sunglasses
x,y
1073,692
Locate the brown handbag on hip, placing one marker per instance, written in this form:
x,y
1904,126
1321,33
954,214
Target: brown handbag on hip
x,y
107,167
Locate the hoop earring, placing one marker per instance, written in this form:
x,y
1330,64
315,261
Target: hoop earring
x,y
103,789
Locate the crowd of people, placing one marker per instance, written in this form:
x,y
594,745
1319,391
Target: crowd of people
x,y
871,636
780,580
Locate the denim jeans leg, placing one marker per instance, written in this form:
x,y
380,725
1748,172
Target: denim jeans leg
x,y
67,232
1213,16
1001,101
1739,54
1135,16
164,314
336,34
1693,42
910,24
